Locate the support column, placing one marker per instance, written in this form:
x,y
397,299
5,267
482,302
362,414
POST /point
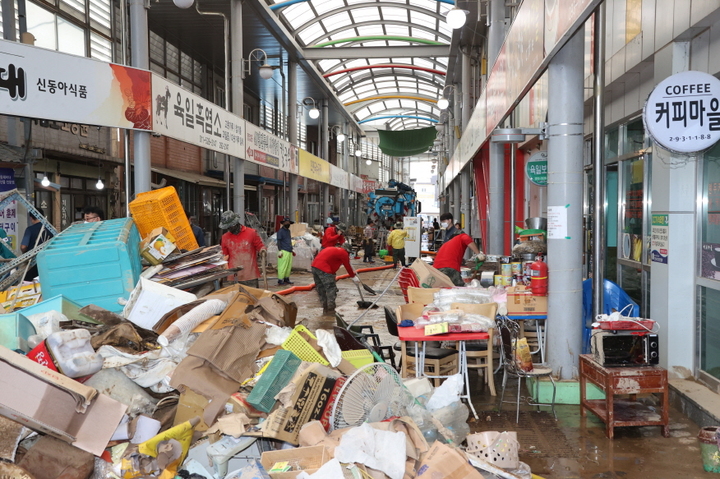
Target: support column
x,y
238,105
565,194
140,58
467,106
459,107
456,199
293,135
496,190
598,226
496,30
325,149
346,167
465,200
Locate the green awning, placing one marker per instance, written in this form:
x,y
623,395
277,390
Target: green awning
x,y
407,142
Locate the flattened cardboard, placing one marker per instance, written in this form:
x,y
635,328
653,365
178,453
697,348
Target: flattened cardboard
x,y
49,402
190,405
444,462
314,386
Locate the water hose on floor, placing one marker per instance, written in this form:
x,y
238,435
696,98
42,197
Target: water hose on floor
x,y
309,287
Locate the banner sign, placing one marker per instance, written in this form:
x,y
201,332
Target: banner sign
x,y
8,215
338,177
682,113
83,91
267,149
190,118
313,167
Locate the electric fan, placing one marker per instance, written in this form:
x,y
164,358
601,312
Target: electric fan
x,y
373,393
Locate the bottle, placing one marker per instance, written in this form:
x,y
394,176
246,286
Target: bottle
x,y
73,353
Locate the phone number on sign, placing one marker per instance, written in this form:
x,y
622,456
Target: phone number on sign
x,y
690,138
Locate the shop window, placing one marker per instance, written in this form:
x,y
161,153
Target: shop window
x,y
631,239
633,136
611,144
710,331
77,184
710,216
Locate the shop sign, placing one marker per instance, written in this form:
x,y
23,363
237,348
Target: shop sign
x,y
682,113
83,91
659,235
536,168
313,167
190,118
338,177
265,148
710,261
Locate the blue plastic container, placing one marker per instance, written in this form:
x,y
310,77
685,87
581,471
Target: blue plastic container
x,y
92,263
58,303
15,329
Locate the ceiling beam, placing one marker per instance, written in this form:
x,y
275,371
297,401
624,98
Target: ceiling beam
x,y
346,53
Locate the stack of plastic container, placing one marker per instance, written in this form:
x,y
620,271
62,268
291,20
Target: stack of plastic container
x,y
92,263
162,207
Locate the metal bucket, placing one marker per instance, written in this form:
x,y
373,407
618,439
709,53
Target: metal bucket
x,y
536,223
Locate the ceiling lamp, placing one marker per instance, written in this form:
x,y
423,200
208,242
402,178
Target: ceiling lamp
x,y
314,113
455,18
341,137
45,181
258,55
368,162
183,3
439,126
266,71
99,185
443,103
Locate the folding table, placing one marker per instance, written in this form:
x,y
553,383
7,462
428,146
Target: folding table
x,y
418,336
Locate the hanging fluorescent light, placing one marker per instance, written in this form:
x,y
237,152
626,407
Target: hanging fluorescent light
x,y
455,18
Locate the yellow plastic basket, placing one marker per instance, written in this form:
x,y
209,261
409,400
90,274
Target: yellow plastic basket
x,y
358,357
162,207
302,349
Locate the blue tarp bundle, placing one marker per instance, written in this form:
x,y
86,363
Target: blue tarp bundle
x,y
614,299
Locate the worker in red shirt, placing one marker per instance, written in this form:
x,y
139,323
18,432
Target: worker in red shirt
x,y
241,245
449,257
324,268
334,235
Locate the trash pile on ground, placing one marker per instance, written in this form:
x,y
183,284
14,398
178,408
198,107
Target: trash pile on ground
x,y
126,361
305,246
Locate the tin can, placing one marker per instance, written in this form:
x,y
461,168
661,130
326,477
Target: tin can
x,y
498,280
516,268
506,280
506,269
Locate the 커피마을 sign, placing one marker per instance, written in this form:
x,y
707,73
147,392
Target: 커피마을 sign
x,y
682,113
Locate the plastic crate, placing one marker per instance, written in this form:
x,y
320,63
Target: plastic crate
x,y
406,279
92,263
15,329
162,207
277,375
302,348
358,357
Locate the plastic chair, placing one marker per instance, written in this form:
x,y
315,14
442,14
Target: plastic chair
x,y
481,357
510,333
438,361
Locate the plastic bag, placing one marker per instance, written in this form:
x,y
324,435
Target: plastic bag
x,y
330,346
447,393
454,418
522,354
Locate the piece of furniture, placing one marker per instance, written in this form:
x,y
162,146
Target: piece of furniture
x,y
422,296
367,335
418,335
536,338
437,360
510,333
481,357
624,381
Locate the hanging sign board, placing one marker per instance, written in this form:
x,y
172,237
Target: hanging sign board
x,y
536,168
682,113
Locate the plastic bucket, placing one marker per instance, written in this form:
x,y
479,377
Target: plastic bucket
x,y
709,449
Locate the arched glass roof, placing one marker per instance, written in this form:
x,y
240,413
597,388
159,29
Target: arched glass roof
x,y
393,92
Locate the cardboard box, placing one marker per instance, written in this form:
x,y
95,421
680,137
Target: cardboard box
x,y
157,246
447,463
308,459
421,295
47,401
410,311
430,277
521,302
149,302
313,389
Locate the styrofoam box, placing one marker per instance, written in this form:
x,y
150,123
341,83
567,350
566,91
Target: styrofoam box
x,y
149,301
92,263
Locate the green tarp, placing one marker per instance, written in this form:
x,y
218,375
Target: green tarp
x,y
407,142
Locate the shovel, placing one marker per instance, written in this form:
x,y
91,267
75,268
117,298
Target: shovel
x,y
368,288
362,304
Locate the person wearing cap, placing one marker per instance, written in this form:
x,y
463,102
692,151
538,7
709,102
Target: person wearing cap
x,y
333,236
396,239
241,245
324,268
285,252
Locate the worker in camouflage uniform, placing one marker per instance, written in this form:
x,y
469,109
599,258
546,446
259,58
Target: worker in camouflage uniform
x,y
324,268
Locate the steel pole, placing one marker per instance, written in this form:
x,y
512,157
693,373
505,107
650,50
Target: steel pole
x,y
599,164
293,134
140,58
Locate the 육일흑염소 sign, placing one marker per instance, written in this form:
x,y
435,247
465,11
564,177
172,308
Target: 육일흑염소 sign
x,y
536,168
682,113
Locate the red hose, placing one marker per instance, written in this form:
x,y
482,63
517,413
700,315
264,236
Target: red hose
x,y
309,287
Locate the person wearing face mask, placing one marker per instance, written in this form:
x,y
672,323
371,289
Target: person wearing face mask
x,y
447,224
285,252
241,245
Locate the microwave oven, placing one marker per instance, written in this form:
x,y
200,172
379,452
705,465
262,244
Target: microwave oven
x,y
624,348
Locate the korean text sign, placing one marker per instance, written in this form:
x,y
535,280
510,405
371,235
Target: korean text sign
x,y
682,113
83,91
188,117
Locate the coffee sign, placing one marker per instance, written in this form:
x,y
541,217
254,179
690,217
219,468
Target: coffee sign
x,y
682,113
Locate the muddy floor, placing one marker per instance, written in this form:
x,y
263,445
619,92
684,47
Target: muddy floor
x,y
570,447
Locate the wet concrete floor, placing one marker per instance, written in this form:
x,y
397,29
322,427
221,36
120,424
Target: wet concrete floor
x,y
570,447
